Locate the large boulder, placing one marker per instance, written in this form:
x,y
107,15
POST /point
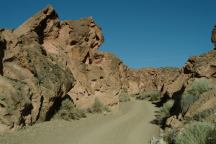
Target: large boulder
x,y
104,79
32,83
74,44
37,62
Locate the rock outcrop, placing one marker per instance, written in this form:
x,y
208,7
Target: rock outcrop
x,y
32,83
150,79
44,58
200,106
74,44
196,67
103,78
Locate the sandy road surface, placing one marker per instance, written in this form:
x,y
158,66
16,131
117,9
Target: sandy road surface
x,y
130,125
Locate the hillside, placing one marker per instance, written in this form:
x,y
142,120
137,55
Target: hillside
x,y
53,68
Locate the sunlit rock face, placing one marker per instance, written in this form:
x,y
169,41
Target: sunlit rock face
x,y
196,68
44,58
150,79
32,82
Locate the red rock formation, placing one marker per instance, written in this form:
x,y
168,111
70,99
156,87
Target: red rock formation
x,y
197,67
150,79
32,83
38,59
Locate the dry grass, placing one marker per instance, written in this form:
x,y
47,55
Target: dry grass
x,y
151,95
98,107
199,86
197,133
68,111
124,97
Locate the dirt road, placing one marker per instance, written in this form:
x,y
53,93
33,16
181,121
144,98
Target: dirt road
x,y
130,125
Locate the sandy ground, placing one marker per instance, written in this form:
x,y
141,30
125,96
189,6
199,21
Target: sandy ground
x,y
130,125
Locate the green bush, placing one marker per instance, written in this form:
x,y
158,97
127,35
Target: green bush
x,y
204,114
196,133
169,135
68,111
141,96
154,96
151,95
186,101
98,107
198,87
164,112
211,137
124,97
165,109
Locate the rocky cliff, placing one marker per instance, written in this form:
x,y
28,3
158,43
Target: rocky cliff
x,y
46,59
32,82
194,90
150,79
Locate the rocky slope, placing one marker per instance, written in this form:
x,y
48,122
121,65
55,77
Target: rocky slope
x,y
194,90
32,83
150,79
37,62
42,59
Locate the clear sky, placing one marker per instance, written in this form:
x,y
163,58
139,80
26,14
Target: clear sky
x,y
143,33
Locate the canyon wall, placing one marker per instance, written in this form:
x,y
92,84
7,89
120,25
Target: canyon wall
x,y
150,79
194,90
46,59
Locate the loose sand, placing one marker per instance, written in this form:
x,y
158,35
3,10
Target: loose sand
x,y
130,125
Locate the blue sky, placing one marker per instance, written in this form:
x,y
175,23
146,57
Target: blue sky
x,y
143,33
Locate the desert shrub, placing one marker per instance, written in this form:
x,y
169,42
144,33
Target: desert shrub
x,y
204,114
68,111
165,109
164,112
187,100
211,137
169,135
141,96
196,133
198,87
124,97
151,95
98,107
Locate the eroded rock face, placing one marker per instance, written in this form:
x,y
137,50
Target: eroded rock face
x,y
102,79
32,83
37,62
197,67
41,59
150,79
73,44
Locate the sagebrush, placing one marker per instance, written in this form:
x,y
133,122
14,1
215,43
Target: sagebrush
x,y
197,133
151,95
164,111
198,87
98,107
68,111
200,116
124,97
